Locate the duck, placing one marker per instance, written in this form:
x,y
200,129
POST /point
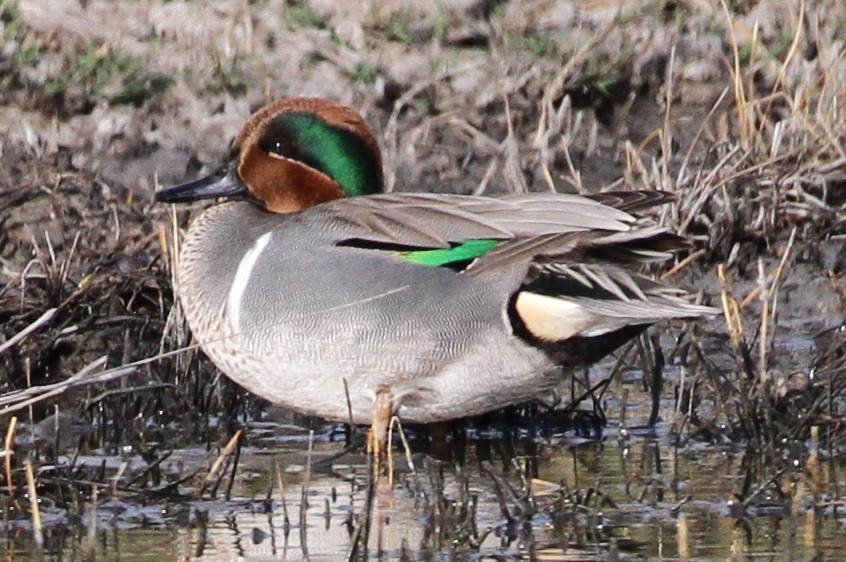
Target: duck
x,y
309,286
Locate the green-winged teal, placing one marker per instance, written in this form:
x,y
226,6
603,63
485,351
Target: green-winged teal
x,y
312,287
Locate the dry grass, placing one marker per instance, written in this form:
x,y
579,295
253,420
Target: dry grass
x,y
737,108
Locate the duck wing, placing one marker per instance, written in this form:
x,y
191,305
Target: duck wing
x,y
440,221
521,227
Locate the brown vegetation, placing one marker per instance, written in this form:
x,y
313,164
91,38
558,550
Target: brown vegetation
x,y
737,107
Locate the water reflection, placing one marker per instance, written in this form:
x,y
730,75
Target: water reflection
x,y
634,496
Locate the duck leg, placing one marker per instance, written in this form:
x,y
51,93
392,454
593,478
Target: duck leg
x,y
377,437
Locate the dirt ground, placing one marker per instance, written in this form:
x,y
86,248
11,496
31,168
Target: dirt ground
x,y
102,101
737,107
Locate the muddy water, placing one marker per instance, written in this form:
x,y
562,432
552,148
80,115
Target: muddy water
x,y
631,495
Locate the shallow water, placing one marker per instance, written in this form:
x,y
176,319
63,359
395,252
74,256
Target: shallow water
x,y
630,496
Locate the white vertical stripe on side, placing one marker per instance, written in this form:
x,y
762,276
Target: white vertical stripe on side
x,y
242,279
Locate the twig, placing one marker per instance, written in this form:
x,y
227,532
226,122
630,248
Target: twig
x,y
10,441
281,483
43,319
405,445
765,313
37,530
91,542
682,264
731,312
791,53
304,497
212,476
234,467
776,274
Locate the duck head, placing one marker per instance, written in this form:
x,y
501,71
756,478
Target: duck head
x,y
291,155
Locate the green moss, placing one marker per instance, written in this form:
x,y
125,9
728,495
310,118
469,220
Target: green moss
x,y
680,18
141,87
27,53
303,16
781,45
15,30
338,40
402,29
399,29
532,45
441,25
107,73
89,72
229,75
10,15
744,53
94,69
366,72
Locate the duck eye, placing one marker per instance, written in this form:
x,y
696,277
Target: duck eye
x,y
277,140
275,148
279,147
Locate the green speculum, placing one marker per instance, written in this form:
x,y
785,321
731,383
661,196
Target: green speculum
x,y
462,252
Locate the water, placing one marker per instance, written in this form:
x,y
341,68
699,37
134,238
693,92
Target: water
x,y
632,497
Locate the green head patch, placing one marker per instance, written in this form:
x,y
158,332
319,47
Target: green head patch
x,y
331,149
